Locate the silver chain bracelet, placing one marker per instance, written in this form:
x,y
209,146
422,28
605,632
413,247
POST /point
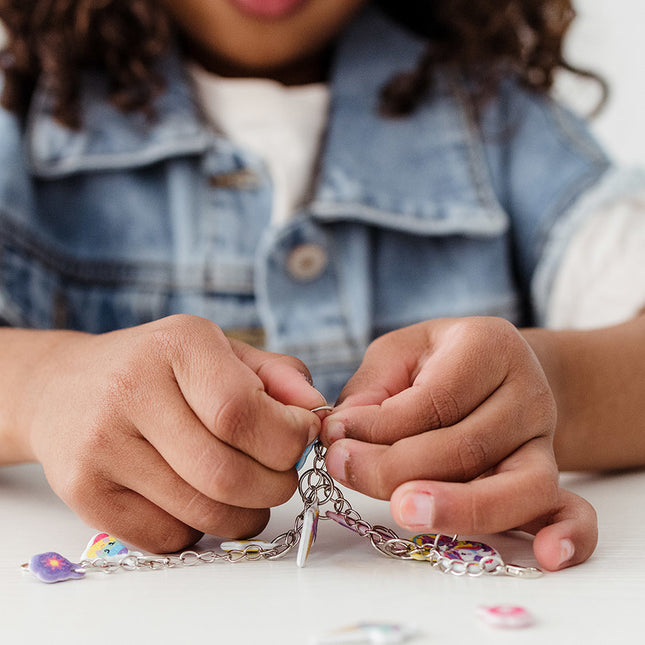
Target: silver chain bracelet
x,y
317,490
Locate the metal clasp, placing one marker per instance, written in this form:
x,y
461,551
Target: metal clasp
x,y
516,571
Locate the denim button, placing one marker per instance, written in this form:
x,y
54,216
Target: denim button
x,y
307,262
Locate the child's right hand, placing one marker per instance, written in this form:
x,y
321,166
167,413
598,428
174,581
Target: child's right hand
x,y
164,431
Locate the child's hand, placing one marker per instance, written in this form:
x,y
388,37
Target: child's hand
x,y
164,431
453,420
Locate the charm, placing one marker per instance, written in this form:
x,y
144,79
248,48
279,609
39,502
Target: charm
x,y
309,531
53,567
305,454
359,526
509,616
105,546
341,519
431,542
441,547
376,633
466,551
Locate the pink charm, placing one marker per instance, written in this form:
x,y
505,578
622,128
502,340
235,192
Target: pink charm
x,y
507,616
341,519
358,526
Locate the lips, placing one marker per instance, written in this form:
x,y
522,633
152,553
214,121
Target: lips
x,y
268,9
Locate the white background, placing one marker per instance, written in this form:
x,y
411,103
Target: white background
x,y
608,37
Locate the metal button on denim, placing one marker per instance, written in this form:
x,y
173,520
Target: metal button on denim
x,y
306,262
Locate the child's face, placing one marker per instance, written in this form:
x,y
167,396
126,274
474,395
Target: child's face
x,y
261,37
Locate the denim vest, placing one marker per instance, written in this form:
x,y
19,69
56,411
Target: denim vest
x,y
437,214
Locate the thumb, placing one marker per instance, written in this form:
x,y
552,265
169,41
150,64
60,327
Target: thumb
x,y
568,536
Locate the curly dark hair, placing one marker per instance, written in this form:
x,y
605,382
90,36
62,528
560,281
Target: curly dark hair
x,y
485,39
61,39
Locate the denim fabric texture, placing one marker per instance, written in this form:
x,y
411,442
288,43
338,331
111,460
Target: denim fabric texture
x,y
437,214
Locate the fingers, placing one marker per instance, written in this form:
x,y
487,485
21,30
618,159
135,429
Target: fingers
x,y
140,522
566,536
223,395
134,519
285,378
135,494
566,530
411,380
523,488
230,477
458,453
433,375
210,465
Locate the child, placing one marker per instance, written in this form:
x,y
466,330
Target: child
x,y
188,185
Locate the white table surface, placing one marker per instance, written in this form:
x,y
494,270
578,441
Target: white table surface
x,y
345,581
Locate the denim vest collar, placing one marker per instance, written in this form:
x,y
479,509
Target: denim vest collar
x,y
373,169
110,139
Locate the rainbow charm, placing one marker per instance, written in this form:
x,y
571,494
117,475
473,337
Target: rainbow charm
x,y
103,545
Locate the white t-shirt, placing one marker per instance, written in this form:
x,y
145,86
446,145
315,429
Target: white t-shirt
x,y
601,278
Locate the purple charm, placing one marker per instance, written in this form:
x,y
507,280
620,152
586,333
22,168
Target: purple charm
x,y
431,542
53,567
341,519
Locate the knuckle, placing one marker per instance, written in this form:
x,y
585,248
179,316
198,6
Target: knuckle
x,y
75,488
472,456
292,362
249,524
177,335
284,489
284,460
546,411
233,522
172,536
545,482
474,514
498,333
386,478
223,482
234,419
444,409
209,514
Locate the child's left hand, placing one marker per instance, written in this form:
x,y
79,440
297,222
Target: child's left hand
x,y
453,420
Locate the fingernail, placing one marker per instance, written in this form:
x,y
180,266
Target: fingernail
x,y
417,510
313,433
566,551
336,462
334,431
